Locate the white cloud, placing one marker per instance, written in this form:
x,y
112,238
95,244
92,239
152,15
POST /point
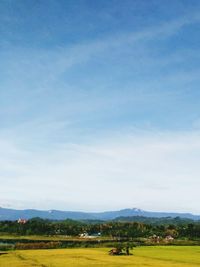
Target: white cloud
x,y
156,171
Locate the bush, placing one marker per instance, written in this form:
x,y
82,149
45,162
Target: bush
x,y
6,247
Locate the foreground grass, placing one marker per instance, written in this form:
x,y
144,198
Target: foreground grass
x,y
37,237
143,256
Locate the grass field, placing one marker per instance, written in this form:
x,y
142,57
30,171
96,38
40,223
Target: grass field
x,y
143,256
48,238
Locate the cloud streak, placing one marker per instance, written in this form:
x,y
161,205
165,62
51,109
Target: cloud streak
x,y
57,61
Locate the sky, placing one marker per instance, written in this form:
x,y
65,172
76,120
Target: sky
x,y
100,104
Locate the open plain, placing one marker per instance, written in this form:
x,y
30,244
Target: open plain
x,y
161,256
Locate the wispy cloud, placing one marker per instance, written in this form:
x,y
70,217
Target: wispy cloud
x,y
71,116
60,59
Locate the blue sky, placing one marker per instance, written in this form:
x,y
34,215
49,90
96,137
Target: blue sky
x,y
99,104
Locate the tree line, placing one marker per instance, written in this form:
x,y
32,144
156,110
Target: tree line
x,y
113,229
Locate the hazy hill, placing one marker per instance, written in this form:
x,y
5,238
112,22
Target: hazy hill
x,y
12,214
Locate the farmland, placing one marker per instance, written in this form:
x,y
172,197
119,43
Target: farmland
x,y
176,256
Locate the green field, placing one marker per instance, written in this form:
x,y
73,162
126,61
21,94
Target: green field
x,y
143,256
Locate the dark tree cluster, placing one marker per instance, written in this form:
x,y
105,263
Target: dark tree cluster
x,y
112,229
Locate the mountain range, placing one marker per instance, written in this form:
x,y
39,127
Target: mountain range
x,y
12,214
